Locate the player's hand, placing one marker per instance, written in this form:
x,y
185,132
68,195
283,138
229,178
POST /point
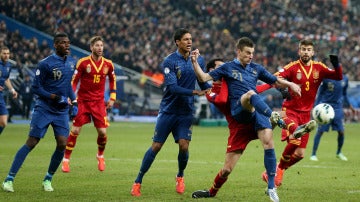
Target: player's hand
x,y
194,55
110,104
295,88
200,92
334,59
73,111
62,101
14,94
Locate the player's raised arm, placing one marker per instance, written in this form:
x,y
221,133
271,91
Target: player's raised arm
x,y
200,74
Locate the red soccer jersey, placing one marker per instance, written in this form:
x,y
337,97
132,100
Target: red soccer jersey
x,y
92,77
309,78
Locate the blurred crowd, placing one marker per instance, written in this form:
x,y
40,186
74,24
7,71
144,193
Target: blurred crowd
x,y
139,32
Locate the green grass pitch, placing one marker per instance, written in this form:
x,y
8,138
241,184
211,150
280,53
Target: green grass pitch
x,y
327,180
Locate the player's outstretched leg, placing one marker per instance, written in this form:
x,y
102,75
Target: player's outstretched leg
x,y
305,128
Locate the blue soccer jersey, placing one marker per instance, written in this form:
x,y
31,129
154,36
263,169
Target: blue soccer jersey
x,y
179,71
53,76
241,79
333,92
4,75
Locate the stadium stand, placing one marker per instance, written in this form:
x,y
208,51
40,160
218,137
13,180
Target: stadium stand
x,y
139,32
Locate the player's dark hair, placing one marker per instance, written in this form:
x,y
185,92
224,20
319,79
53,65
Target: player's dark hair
x,y
95,39
59,35
180,33
211,63
306,42
244,42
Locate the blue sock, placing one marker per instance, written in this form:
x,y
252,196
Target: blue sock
x,y
270,166
55,161
183,158
17,162
1,129
340,140
48,176
316,142
260,105
148,159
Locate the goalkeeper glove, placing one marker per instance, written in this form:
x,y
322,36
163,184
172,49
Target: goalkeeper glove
x,y
334,59
73,109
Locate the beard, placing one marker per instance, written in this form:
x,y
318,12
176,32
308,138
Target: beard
x,y
305,59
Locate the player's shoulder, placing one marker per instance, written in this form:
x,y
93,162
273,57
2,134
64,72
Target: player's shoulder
x,y
320,64
292,64
108,63
83,59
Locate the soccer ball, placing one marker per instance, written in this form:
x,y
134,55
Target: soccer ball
x,y
323,113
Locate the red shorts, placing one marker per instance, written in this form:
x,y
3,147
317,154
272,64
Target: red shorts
x,y
91,110
240,137
299,118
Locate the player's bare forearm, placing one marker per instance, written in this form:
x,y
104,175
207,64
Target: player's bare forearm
x,y
293,86
200,92
200,74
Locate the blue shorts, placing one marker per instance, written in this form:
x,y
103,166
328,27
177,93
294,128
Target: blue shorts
x,y
241,115
3,109
261,121
41,119
336,124
179,125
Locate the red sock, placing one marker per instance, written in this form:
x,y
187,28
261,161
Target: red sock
x,y
294,159
218,182
71,142
101,141
286,155
290,124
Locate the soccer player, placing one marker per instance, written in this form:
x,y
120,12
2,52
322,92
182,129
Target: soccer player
x,y
308,74
52,85
246,106
239,137
333,92
176,109
5,67
92,71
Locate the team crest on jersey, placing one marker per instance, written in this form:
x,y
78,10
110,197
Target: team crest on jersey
x,y
178,74
88,68
254,72
106,70
298,75
316,74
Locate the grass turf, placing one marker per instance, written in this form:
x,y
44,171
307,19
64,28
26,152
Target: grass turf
x,y
327,180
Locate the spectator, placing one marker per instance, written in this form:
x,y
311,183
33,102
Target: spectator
x,y
26,95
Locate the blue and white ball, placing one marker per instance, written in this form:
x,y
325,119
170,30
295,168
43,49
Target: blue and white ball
x,y
323,113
